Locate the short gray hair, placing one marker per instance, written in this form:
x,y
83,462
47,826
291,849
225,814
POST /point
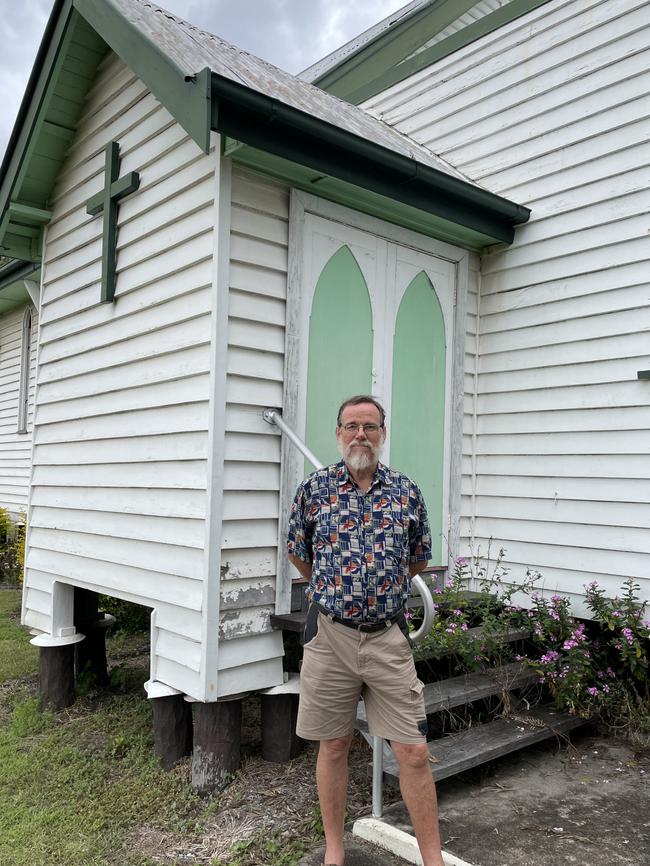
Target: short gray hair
x,y
357,401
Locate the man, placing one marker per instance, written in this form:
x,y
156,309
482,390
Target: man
x,y
358,531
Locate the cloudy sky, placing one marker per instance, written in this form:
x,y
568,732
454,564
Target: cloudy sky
x,y
293,34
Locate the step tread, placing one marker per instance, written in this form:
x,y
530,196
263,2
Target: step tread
x,y
481,743
458,691
289,621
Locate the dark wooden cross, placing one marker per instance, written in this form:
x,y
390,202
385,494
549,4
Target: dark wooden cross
x,y
115,188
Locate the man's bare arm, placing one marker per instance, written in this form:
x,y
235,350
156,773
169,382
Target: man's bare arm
x,y
303,567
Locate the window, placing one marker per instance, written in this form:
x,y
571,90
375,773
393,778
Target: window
x,y
25,369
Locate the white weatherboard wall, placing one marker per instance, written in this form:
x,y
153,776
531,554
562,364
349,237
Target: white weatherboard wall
x,y
552,110
250,652
120,491
15,447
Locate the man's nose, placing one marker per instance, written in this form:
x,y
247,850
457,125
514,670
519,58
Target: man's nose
x,y
360,432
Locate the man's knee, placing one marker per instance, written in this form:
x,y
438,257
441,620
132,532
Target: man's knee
x,y
414,756
336,749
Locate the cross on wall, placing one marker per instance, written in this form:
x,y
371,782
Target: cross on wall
x,y
115,189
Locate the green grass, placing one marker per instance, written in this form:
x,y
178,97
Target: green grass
x,y
71,791
83,788
18,657
76,786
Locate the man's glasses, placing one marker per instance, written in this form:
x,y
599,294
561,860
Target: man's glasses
x,y
366,428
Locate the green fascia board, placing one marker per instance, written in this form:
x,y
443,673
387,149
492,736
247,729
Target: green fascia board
x,y
283,131
380,76
363,200
392,46
16,155
77,36
57,105
187,98
12,281
45,124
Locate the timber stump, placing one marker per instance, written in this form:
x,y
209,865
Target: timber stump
x,y
172,727
217,744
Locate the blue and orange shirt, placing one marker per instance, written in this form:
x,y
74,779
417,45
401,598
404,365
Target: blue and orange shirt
x,y
360,544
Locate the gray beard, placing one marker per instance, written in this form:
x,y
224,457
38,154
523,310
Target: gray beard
x,y
359,459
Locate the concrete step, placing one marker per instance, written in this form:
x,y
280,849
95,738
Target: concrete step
x,y
467,688
482,743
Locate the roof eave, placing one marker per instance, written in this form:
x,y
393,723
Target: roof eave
x,y
265,123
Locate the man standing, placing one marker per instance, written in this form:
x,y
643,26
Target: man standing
x,y
358,531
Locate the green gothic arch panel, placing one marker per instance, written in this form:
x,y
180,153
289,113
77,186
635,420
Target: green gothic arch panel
x,y
418,400
340,350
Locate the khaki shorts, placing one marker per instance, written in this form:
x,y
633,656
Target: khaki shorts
x,y
340,665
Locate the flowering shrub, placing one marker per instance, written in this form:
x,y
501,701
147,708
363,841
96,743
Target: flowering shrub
x,y
599,668
472,632
12,549
593,669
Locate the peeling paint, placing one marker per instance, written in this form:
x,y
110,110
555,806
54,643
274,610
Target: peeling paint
x,y
247,596
238,623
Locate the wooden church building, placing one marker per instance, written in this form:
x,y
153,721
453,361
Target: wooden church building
x,y
217,237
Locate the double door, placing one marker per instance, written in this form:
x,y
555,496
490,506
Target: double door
x,y
376,318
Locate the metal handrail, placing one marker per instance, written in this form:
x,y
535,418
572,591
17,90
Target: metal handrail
x,y
273,417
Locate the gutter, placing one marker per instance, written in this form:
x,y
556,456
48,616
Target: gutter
x,y
266,123
14,271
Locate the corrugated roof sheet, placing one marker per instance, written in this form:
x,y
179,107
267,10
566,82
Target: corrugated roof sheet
x,y
340,55
192,49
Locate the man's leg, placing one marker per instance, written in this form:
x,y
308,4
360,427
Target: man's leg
x,y
332,781
419,794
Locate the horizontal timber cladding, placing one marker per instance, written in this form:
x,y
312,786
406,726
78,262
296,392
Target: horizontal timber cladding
x,y
119,482
15,447
552,110
250,652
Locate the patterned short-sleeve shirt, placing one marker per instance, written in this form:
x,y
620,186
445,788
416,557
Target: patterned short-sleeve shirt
x,y
360,544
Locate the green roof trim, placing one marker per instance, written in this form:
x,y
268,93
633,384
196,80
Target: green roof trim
x,y
358,199
391,46
13,291
295,136
65,66
186,97
390,58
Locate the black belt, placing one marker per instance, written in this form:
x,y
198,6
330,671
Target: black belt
x,y
360,625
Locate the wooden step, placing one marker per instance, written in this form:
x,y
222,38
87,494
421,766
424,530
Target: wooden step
x,y
289,621
513,635
482,743
458,691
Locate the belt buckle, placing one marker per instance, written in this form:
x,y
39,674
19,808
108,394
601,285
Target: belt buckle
x,y
370,627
